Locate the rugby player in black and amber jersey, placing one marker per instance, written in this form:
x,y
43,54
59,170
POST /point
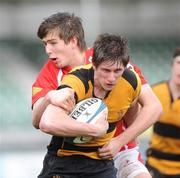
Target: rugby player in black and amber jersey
x,y
53,71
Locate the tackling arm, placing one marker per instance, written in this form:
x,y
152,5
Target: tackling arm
x,y
63,99
148,106
38,109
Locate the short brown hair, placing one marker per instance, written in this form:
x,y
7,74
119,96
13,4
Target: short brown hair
x,y
68,26
109,47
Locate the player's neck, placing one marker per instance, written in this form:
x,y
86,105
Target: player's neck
x,y
79,59
98,91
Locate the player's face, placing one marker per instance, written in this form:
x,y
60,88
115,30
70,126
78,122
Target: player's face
x,y
107,74
176,70
59,52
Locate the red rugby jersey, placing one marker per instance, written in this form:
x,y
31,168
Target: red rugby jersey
x,y
49,78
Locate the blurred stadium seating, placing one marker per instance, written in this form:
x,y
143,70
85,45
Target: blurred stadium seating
x,y
153,56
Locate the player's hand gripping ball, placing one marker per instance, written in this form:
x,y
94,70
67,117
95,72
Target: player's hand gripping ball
x,y
87,111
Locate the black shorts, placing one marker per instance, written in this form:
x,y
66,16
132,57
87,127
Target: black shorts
x,y
76,167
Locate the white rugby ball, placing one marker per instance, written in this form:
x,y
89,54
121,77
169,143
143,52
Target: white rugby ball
x,y
87,111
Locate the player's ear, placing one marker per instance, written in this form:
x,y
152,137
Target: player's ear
x,y
94,67
73,41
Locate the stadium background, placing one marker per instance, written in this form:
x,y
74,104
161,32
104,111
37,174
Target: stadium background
x,y
152,28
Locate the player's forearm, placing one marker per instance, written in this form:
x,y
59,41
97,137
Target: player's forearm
x,y
61,98
131,114
54,121
151,108
38,109
145,118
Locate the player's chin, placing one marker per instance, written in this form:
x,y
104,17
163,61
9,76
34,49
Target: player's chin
x,y
59,65
109,87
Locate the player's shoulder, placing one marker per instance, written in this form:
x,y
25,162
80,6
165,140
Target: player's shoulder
x,y
49,62
49,66
84,74
82,68
47,70
133,66
161,89
160,85
131,77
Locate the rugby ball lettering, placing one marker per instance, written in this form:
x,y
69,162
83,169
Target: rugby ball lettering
x,y
86,111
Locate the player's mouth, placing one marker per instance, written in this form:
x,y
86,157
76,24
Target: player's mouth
x,y
56,61
110,85
53,58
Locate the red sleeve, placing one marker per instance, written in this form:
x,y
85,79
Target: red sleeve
x,y
138,71
89,54
120,127
45,81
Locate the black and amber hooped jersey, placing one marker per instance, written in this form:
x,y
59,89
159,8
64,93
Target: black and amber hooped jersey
x,y
164,151
118,101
